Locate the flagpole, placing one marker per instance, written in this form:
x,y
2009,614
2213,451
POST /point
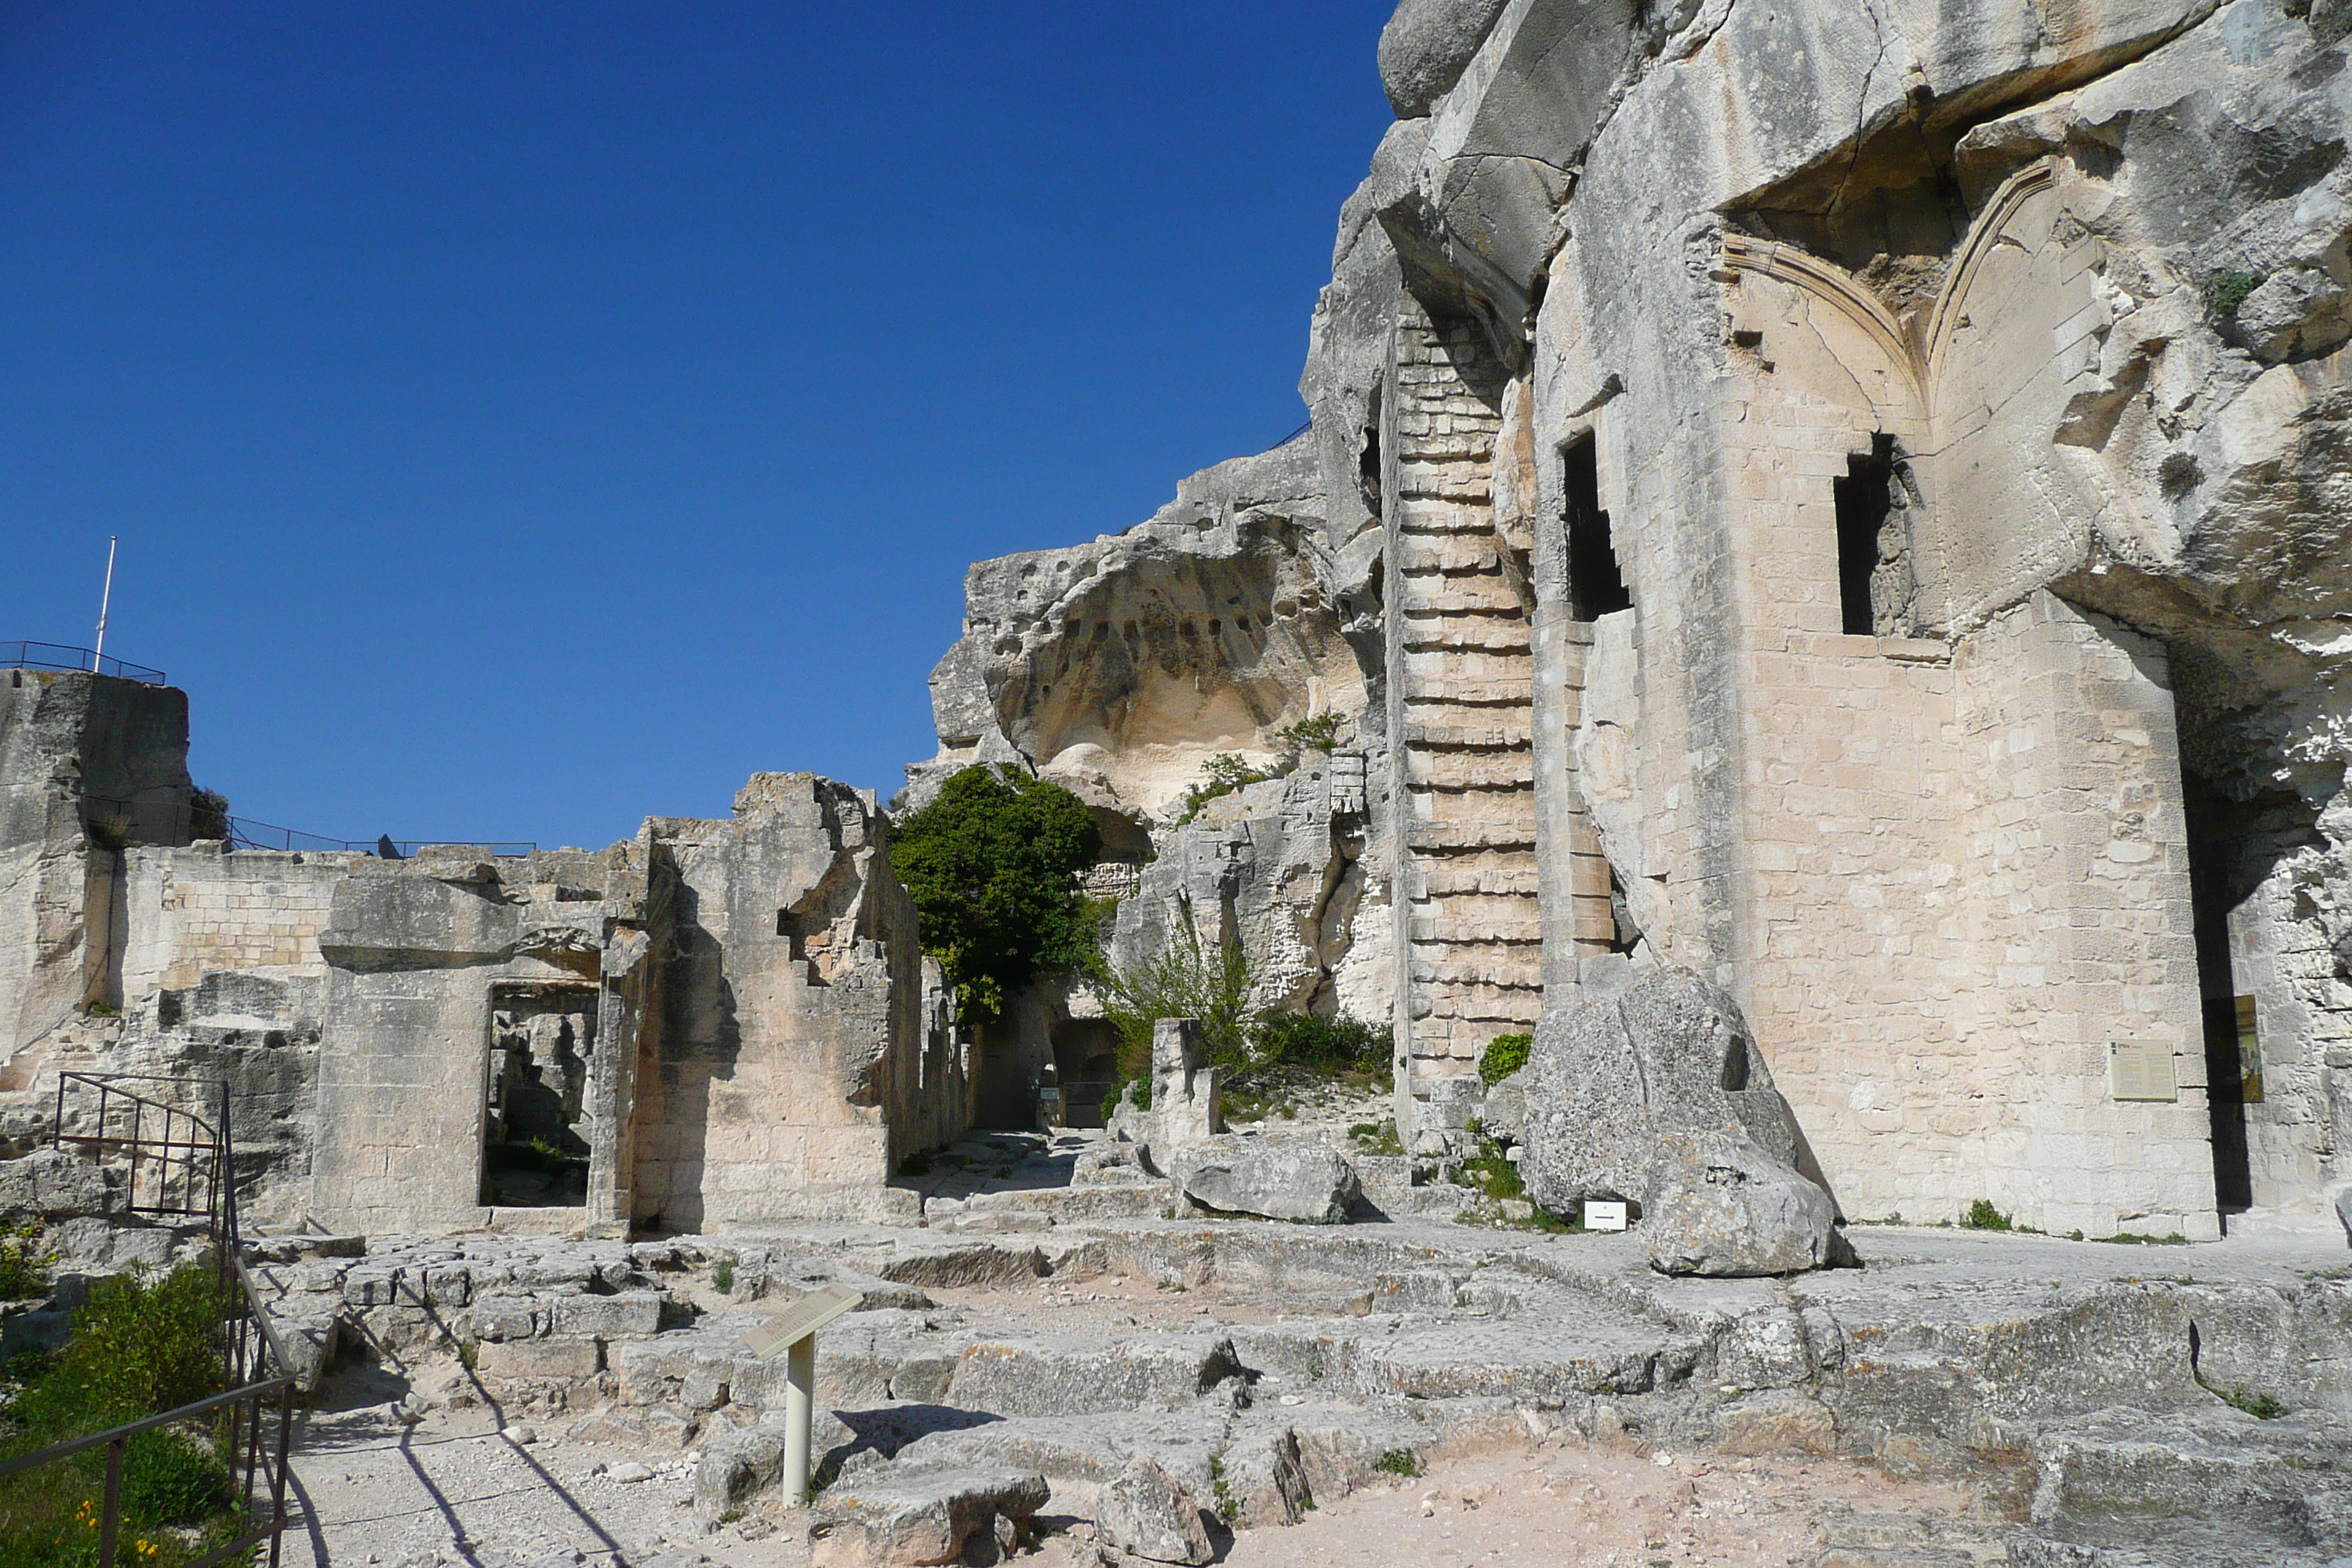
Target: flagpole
x,y
105,601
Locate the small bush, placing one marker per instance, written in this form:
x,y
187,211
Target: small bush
x,y
2226,291
24,1263
1982,1216
208,815
144,1344
2261,1406
1376,1137
722,1278
1398,1462
1505,1055
1322,1044
169,1481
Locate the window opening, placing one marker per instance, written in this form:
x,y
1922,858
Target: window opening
x,y
1865,497
1596,587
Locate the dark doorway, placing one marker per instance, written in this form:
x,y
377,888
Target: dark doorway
x,y
542,1040
1863,498
1596,586
1086,1059
2217,834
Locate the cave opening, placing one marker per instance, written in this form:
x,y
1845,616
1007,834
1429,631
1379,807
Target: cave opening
x,y
1596,585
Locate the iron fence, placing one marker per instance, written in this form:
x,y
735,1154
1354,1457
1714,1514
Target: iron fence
x,y
191,1171
58,656
175,822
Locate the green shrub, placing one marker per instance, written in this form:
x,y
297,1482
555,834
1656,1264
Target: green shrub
x,y
1982,1216
1186,978
1228,772
722,1278
208,815
2226,291
1376,1137
1505,1055
24,1263
992,866
1398,1462
169,1480
144,1344
1315,1043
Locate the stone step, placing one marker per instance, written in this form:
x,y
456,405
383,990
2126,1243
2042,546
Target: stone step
x,y
1460,834
1470,770
894,1513
1489,728
1499,635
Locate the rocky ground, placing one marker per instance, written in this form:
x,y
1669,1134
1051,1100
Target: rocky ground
x,y
1960,1397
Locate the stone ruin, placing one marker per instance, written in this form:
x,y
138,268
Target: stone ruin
x,y
1815,586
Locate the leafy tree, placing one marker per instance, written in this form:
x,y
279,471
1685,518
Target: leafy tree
x,y
992,864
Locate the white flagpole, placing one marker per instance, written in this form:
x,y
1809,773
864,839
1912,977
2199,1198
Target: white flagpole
x,y
105,600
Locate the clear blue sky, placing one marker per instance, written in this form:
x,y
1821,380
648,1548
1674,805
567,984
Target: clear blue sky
x,y
521,419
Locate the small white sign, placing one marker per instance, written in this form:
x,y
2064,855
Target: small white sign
x,y
1605,1216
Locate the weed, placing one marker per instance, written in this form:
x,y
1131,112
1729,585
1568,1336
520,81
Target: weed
x,y
2261,1406
1217,1487
1982,1216
1398,1462
722,1278
2134,1238
469,1354
1376,1137
732,1516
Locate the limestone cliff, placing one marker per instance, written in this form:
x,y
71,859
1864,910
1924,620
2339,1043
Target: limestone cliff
x,y
1848,498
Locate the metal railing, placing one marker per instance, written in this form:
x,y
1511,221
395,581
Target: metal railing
x,y
58,656
183,1147
172,821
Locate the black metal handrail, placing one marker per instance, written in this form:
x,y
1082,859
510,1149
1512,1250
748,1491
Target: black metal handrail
x,y
158,820
257,1362
88,661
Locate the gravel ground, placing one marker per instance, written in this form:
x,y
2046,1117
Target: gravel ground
x,y
452,1490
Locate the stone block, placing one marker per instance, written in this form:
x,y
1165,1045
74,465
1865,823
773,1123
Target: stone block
x,y
631,1312
883,1516
569,1361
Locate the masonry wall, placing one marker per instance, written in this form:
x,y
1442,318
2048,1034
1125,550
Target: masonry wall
x,y
792,1015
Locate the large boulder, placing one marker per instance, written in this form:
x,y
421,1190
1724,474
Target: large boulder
x,y
1148,1513
1426,45
888,1517
1607,1078
1716,1203
1281,1178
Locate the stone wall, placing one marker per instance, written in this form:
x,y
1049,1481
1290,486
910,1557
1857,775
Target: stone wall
x,y
794,1064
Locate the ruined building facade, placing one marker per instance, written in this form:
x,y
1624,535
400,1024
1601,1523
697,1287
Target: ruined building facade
x,y
1849,501
710,1026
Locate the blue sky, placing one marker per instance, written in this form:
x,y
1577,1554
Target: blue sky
x,y
523,420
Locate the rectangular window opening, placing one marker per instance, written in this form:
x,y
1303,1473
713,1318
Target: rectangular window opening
x,y
1596,587
1864,497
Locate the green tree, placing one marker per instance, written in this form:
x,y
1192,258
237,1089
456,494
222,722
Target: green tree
x,y
992,864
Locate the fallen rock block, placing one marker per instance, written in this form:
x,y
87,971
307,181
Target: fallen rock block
x,y
885,1516
1717,1204
1079,1377
1280,1178
1148,1513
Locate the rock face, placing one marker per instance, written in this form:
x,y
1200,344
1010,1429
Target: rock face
x,y
1609,1079
1147,1512
1280,1178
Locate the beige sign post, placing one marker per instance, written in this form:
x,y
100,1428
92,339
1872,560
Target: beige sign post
x,y
793,1332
